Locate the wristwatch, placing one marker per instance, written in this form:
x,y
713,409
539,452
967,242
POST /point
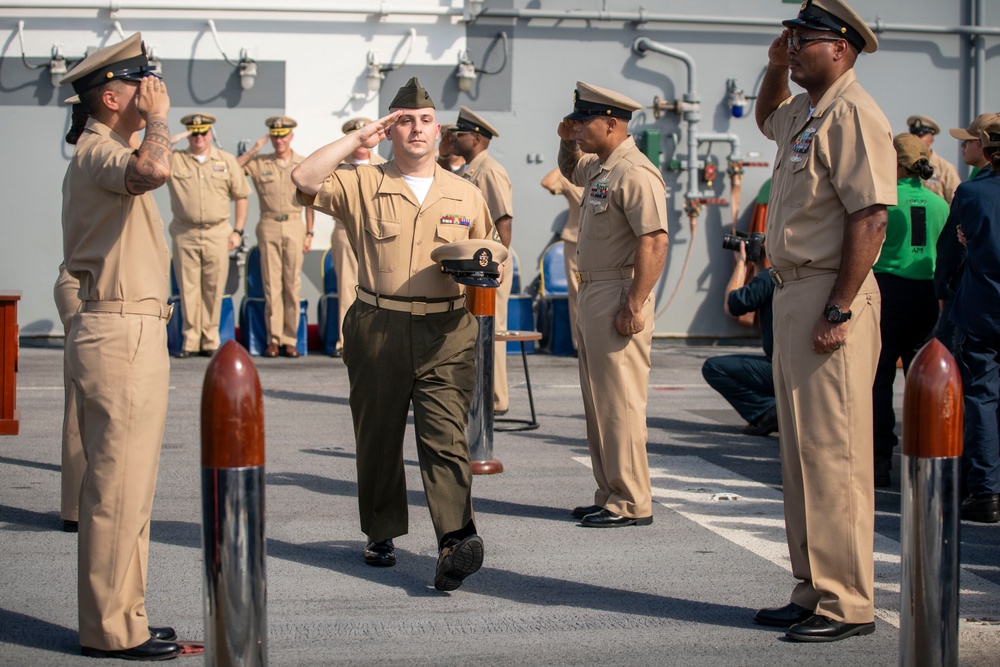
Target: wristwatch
x,y
834,315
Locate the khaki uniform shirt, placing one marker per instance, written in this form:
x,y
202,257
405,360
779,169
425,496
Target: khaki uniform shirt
x,y
393,234
113,241
491,178
573,194
200,193
622,200
274,185
830,163
945,179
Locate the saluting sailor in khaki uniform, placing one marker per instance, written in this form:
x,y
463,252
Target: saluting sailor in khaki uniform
x,y
117,345
281,239
408,337
945,179
345,261
471,137
558,184
203,181
621,253
834,176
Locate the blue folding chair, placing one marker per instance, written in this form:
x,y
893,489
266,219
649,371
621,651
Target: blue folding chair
x,y
553,303
328,309
253,322
520,313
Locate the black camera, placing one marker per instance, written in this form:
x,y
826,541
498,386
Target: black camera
x,y
754,244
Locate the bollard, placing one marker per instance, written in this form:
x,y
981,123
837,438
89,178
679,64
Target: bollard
x,y
932,448
481,302
232,507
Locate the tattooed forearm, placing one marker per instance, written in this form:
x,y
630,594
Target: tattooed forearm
x,y
569,155
149,168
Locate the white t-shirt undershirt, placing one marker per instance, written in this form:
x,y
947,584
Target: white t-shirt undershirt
x,y
201,158
420,186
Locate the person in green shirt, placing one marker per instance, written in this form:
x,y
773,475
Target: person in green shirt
x,y
905,275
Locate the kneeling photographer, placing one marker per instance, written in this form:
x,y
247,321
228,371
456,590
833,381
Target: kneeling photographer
x,y
746,380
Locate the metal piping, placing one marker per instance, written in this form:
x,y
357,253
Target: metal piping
x,y
732,139
979,63
246,6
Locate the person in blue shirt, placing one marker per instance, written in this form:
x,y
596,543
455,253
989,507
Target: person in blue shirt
x,y
747,380
905,275
976,314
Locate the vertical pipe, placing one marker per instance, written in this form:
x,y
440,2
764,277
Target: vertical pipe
x,y
232,483
932,447
481,302
979,65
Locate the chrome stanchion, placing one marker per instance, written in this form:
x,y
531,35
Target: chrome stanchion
x,y
481,302
232,487
932,447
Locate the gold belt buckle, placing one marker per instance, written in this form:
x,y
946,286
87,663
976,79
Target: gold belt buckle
x,y
282,217
776,277
579,276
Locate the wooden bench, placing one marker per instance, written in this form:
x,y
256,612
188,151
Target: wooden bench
x,y
519,424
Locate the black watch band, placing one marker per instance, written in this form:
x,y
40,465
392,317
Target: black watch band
x,y
834,315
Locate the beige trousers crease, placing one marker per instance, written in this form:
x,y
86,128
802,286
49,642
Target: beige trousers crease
x,y
201,264
281,258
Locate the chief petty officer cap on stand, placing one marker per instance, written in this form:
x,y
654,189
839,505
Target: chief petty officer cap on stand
x,y
590,101
837,17
920,125
971,133
198,122
470,121
473,262
412,96
125,61
280,126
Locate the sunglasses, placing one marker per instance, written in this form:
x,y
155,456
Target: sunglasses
x,y
796,42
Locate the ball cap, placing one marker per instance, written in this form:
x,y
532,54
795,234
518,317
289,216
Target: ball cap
x,y
280,126
971,133
412,96
198,122
354,124
590,100
473,262
922,125
909,149
989,133
470,121
837,17
126,61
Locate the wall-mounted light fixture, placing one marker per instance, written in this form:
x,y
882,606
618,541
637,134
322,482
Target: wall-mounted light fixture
x,y
466,73
373,73
57,66
248,70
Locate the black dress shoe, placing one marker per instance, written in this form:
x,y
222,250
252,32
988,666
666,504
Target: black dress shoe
x,y
457,560
337,353
580,512
70,526
605,518
782,617
982,509
764,425
882,476
380,554
818,628
183,354
151,649
206,353
164,634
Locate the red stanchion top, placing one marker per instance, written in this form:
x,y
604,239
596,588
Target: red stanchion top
x,y
232,411
480,301
933,417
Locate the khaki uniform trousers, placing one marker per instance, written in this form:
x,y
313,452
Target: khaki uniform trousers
x,y
572,285
614,377
824,404
74,463
121,370
281,257
345,263
501,393
394,358
201,263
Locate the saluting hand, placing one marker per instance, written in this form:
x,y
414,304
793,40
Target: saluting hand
x,y
444,147
372,133
828,337
257,145
567,130
777,53
152,99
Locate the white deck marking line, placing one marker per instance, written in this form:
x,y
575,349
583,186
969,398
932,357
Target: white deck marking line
x,y
693,487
